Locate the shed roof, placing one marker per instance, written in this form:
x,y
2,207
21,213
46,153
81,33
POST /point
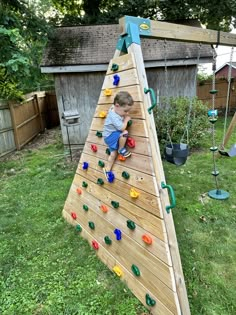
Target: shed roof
x,y
227,64
96,44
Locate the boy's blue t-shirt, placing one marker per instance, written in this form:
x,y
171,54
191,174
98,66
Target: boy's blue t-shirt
x,y
112,123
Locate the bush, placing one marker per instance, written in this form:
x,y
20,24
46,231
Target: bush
x,y
172,123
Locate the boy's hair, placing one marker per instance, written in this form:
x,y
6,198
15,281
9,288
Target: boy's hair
x,y
123,98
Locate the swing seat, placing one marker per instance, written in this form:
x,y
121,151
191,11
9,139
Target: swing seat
x,y
231,153
176,153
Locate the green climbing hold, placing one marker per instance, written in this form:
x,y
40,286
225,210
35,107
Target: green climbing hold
x,y
100,181
131,225
213,120
215,173
213,91
135,270
99,134
101,163
84,184
125,175
129,123
150,301
107,240
114,67
85,207
213,149
108,152
78,228
91,225
115,204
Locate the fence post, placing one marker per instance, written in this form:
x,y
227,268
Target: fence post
x,y
17,143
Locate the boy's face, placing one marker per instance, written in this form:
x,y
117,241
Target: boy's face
x,y
122,110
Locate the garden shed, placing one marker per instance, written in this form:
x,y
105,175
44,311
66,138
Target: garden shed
x,y
78,58
223,71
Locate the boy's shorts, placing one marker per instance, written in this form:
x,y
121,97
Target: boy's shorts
x,y
112,141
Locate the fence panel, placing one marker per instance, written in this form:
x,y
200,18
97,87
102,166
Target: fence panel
x,y
7,142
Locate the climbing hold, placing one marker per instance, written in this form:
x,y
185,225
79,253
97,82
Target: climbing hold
x,y
133,193
213,149
121,157
107,240
147,239
116,79
212,115
114,67
130,142
118,234
100,181
103,114
84,184
110,176
79,191
91,225
129,123
131,225
107,92
135,270
94,148
99,134
125,175
150,301
115,204
108,152
117,270
213,91
85,207
104,208
95,245
78,228
73,215
101,163
85,166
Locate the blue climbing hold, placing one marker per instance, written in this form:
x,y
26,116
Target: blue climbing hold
x,y
116,79
118,234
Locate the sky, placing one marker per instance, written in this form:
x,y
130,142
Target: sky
x,y
223,56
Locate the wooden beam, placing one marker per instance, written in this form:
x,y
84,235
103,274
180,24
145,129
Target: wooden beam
x,y
178,32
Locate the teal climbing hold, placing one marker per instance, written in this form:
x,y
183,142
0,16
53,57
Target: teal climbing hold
x,y
115,204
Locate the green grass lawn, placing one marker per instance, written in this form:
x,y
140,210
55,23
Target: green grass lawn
x,y
46,268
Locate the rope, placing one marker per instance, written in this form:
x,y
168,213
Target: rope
x,y
228,95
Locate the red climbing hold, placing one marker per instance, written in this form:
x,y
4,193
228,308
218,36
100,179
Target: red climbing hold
x,y
95,245
130,142
94,147
73,215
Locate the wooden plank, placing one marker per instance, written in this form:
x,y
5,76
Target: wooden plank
x,y
135,161
158,248
124,62
185,33
229,130
127,78
136,110
146,220
133,90
142,145
138,127
127,250
159,172
137,179
137,288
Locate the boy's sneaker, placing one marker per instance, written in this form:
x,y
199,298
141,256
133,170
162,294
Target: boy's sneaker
x,y
124,152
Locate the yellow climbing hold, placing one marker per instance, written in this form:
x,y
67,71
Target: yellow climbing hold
x,y
103,114
133,193
117,270
107,92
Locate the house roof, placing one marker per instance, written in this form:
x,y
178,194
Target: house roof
x,y
96,45
233,64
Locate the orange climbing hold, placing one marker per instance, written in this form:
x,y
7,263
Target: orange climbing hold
x,y
147,239
104,208
133,193
79,191
103,114
107,92
121,157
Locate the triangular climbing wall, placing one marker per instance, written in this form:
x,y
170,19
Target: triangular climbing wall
x,y
134,237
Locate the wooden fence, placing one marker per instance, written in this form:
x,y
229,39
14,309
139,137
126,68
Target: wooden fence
x,y
220,98
21,122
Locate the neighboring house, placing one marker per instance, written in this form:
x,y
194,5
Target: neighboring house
x,y
79,56
223,71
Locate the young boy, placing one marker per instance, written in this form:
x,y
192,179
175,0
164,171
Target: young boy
x,y
114,131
